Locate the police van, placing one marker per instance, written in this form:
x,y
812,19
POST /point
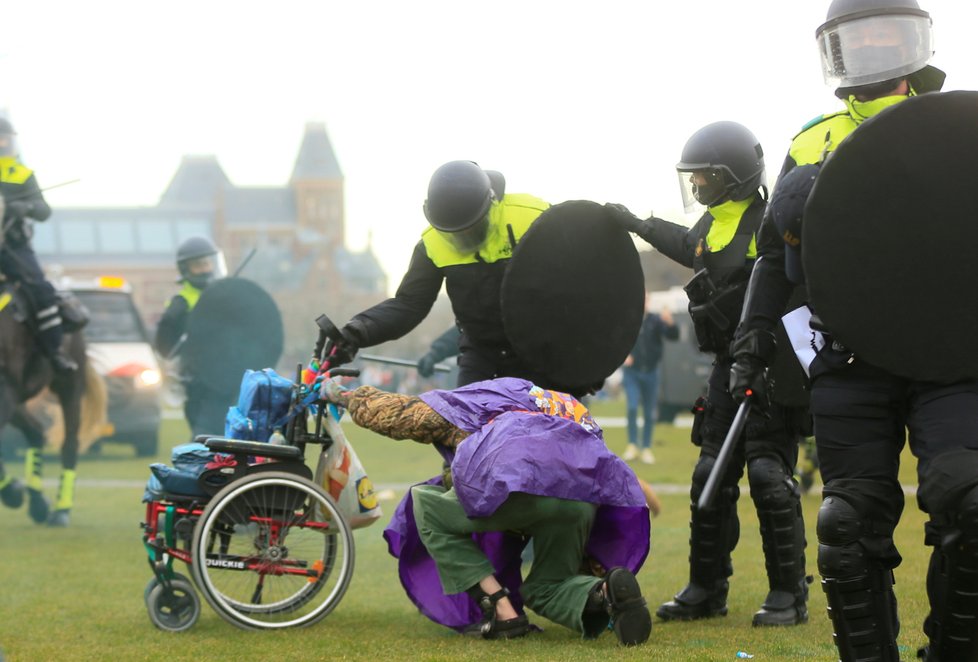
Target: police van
x,y
684,368
120,350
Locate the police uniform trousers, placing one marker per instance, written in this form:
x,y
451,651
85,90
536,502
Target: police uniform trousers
x,y
206,409
768,449
19,262
559,529
863,417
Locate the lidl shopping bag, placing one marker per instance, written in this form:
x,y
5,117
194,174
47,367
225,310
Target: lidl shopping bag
x,y
343,477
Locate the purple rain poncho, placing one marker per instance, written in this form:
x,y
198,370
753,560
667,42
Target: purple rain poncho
x,y
524,439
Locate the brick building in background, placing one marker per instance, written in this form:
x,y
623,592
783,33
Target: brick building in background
x,y
297,231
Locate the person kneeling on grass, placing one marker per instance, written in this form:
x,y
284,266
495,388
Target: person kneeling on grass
x,y
524,461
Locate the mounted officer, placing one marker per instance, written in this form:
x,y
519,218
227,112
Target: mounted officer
x,y
23,202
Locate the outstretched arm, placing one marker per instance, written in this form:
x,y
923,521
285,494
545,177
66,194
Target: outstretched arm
x,y
398,416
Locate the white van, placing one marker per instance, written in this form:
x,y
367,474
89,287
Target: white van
x,y
120,350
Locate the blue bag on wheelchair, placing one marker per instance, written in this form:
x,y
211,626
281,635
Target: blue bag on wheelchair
x,y
189,461
263,404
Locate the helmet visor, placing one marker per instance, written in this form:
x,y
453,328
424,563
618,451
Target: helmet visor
x,y
8,144
874,49
202,270
471,238
701,188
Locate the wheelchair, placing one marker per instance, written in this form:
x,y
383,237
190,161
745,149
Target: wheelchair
x,y
267,547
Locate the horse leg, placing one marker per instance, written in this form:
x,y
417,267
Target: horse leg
x,y
69,391
38,507
11,489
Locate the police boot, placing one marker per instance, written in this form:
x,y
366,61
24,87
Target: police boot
x,y
713,535
50,334
62,506
778,504
490,627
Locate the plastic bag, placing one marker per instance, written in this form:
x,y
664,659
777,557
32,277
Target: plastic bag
x,y
342,475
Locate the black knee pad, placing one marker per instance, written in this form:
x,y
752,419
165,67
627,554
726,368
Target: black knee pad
x,y
701,472
770,482
839,530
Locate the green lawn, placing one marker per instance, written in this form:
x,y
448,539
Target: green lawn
x,y
76,593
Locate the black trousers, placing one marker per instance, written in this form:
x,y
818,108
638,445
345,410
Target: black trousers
x,y
864,416
19,262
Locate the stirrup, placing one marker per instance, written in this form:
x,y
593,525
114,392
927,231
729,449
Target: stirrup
x,y
490,627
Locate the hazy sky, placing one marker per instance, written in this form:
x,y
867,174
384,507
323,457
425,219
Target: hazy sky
x,y
569,99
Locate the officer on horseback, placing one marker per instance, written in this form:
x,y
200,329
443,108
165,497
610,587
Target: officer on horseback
x,y
23,201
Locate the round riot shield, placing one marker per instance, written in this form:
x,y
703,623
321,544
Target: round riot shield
x,y
234,326
889,237
573,296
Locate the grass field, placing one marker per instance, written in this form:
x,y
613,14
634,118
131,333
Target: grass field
x,y
77,593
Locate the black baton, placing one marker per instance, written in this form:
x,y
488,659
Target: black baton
x,y
723,458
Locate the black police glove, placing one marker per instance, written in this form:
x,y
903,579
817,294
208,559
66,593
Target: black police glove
x,y
621,215
748,378
752,352
346,348
426,365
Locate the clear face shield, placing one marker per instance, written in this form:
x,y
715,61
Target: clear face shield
x,y
200,271
8,144
702,187
874,49
471,239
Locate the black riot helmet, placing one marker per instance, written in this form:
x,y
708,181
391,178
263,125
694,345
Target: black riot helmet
x,y
460,194
722,161
868,46
8,140
200,262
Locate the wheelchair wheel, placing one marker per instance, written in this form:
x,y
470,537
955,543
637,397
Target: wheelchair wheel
x,y
173,608
272,551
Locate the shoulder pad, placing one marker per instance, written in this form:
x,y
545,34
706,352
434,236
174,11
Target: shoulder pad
x,y
815,121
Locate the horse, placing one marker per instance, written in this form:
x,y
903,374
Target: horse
x,y
24,372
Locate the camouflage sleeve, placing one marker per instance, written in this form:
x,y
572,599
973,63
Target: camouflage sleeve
x,y
401,417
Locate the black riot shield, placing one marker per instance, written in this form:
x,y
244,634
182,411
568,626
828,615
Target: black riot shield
x,y
234,326
573,296
889,239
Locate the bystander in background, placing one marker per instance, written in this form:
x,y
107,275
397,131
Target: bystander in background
x,y
640,379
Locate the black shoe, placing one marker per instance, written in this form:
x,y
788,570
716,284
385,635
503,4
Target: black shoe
x,y
495,629
781,608
693,603
490,627
630,616
62,364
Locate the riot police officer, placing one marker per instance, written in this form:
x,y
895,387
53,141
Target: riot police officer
x,y
722,168
876,53
199,263
24,201
474,227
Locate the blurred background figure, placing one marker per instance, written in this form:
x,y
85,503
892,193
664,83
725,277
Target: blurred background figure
x,y
640,379
199,262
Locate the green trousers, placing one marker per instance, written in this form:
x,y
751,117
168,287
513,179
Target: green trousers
x,y
555,589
